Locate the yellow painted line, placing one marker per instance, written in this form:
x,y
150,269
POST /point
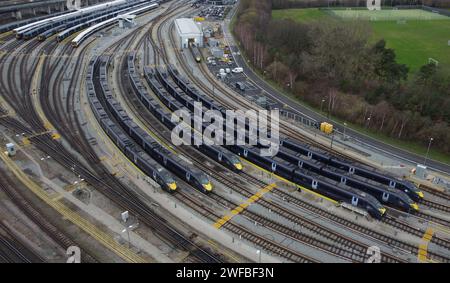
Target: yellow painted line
x,y
221,221
289,182
423,247
5,34
91,229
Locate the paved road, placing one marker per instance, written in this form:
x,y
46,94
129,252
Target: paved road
x,y
297,108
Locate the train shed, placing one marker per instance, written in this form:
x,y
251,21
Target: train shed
x,y
188,32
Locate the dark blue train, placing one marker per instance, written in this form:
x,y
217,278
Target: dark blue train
x,y
320,184
333,189
150,167
164,157
215,152
357,169
383,193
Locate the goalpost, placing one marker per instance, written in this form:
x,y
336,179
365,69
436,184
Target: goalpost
x,y
433,61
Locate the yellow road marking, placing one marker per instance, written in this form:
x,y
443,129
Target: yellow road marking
x,y
91,229
423,247
289,182
221,221
35,95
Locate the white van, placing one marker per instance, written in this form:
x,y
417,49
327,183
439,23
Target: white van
x,y
238,70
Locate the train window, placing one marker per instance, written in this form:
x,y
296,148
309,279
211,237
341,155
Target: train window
x,y
355,201
314,184
392,184
203,179
343,179
274,166
385,196
351,170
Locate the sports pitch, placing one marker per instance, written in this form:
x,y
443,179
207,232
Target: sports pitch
x,y
388,15
416,35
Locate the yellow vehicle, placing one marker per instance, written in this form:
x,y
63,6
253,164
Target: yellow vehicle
x,y
327,128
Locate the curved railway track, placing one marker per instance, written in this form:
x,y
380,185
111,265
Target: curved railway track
x,y
101,180
7,186
223,179
63,115
396,224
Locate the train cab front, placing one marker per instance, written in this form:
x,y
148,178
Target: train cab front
x,y
206,184
414,206
236,163
382,211
416,194
172,186
170,183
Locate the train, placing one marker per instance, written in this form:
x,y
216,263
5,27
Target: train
x,y
384,194
195,52
319,184
384,179
286,170
357,169
11,26
396,196
150,167
89,31
173,163
215,152
76,21
69,15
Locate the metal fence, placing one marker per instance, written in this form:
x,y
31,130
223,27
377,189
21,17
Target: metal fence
x,y
436,10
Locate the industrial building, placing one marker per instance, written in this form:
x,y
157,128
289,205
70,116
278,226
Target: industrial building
x,y
188,31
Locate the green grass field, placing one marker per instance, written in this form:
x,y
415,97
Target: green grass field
x,y
388,15
416,35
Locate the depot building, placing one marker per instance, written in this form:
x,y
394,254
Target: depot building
x,y
188,32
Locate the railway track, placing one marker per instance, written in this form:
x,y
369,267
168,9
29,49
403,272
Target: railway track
x,y
157,129
151,123
102,180
14,251
291,133
434,192
239,101
7,186
384,238
243,232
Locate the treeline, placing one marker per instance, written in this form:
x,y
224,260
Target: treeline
x,y
287,4
331,65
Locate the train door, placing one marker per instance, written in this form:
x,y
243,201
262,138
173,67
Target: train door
x,y
274,166
385,196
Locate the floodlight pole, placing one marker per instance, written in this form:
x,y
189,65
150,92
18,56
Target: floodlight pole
x,y
428,150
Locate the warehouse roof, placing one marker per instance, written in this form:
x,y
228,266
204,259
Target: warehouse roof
x,y
186,26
